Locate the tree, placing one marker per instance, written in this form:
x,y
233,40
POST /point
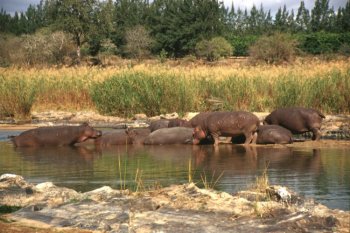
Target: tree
x,y
281,19
138,42
303,18
76,17
320,15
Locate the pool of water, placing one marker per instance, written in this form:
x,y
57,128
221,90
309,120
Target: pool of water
x,y
320,173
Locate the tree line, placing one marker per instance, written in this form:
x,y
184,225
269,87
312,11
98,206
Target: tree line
x,y
173,28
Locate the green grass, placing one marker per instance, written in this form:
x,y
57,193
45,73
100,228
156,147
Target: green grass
x,y
127,93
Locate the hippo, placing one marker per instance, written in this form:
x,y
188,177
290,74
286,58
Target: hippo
x,y
199,119
115,137
158,124
179,123
138,135
298,120
273,134
174,135
228,124
55,136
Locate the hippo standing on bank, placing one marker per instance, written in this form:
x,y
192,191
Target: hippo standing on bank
x,y
273,134
298,120
174,135
55,136
228,124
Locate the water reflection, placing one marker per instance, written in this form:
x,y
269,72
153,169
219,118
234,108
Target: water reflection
x,y
322,173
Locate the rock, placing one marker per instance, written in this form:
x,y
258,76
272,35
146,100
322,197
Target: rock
x,y
178,208
169,116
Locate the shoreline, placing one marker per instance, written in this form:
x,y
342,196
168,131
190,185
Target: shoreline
x,y
184,208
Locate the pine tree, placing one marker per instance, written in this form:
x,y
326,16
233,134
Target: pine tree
x,y
320,15
302,18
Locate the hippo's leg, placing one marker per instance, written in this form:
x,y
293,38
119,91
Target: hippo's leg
x,y
316,134
248,137
228,139
255,137
216,138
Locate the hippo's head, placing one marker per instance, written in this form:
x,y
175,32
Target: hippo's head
x,y
198,135
86,132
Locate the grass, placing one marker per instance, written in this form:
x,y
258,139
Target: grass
x,y
162,88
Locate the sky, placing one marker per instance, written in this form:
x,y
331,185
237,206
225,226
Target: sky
x,y
10,6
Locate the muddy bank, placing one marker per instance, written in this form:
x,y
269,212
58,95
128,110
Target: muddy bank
x,y
178,208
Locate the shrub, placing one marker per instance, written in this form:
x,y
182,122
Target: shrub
x,y
274,49
242,44
214,49
17,96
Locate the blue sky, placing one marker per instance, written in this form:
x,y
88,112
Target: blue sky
x,y
21,5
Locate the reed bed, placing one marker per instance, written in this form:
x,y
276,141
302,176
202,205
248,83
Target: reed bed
x,y
162,88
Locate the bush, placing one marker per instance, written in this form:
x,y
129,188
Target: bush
x,y
320,43
242,44
214,49
275,49
41,48
17,96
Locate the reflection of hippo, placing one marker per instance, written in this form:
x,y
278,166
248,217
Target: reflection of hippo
x,y
55,136
298,120
273,134
158,124
228,124
175,135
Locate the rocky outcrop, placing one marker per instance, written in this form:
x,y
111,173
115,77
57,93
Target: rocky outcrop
x,y
178,208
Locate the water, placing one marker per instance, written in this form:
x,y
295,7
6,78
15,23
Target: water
x,y
320,173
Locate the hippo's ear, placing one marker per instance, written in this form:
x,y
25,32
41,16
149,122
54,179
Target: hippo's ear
x,y
85,124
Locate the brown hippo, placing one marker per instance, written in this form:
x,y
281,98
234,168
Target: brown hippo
x,y
199,119
55,136
138,135
228,124
273,134
158,124
115,137
298,120
179,123
174,135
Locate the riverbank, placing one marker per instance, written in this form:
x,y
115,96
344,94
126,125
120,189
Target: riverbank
x,y
178,208
333,126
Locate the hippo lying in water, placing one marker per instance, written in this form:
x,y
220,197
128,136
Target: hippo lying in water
x,y
55,136
174,135
227,124
298,120
122,137
273,134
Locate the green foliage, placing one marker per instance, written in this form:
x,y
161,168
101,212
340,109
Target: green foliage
x,y
274,49
320,43
17,96
127,94
213,49
241,44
